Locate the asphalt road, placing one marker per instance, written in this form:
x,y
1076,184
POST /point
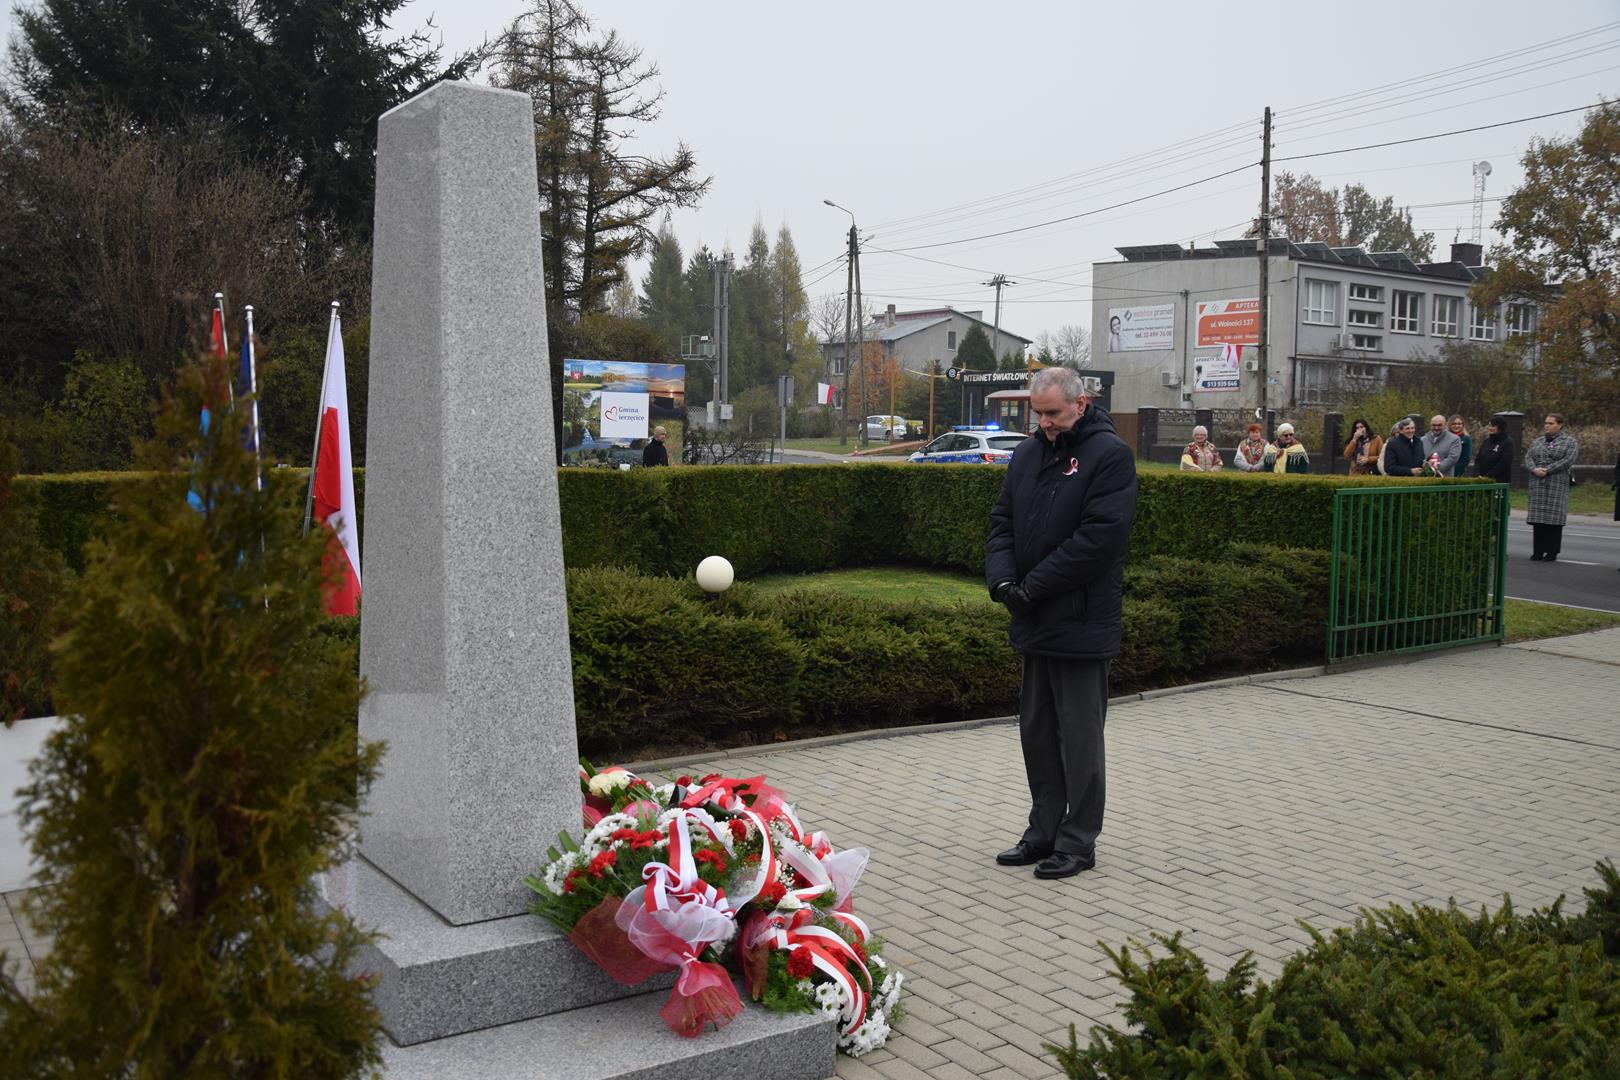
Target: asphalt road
x,y
1584,575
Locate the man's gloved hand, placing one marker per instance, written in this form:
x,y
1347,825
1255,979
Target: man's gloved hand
x,y
1017,600
998,592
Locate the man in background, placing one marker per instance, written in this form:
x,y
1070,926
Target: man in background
x,y
655,452
1442,444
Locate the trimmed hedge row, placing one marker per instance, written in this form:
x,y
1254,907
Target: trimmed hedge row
x,y
792,519
1421,991
656,659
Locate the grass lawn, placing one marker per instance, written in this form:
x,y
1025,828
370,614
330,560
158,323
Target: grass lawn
x,y
828,445
1526,620
1583,499
883,583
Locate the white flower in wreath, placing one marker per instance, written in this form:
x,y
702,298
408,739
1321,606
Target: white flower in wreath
x,y
606,783
557,871
872,1034
789,902
829,999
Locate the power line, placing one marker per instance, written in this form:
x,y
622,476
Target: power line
x,y
1442,134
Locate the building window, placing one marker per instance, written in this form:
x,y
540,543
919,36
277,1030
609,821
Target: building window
x,y
1358,317
838,364
1322,302
1373,293
950,339
1369,342
1447,315
1482,324
1406,312
1521,320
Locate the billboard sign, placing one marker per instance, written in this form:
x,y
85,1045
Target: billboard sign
x,y
1227,322
623,416
1142,329
1220,372
609,404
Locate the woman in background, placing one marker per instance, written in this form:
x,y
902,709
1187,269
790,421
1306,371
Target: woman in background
x,y
1363,449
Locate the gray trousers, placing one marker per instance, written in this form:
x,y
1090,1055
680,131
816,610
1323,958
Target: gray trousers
x,y
1061,710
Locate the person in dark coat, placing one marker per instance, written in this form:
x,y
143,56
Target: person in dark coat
x,y
1056,558
1495,458
655,452
1403,454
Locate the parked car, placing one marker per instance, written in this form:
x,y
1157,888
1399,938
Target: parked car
x,y
989,445
881,427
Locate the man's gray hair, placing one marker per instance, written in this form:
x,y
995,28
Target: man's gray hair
x,y
1065,381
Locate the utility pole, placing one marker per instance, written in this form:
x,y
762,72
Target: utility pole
x,y
849,330
1000,282
714,310
1263,244
860,323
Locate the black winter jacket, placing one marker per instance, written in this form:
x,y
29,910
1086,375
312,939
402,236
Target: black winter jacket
x,y
1061,526
1495,458
1402,455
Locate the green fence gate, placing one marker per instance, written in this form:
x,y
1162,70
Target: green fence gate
x,y
1416,568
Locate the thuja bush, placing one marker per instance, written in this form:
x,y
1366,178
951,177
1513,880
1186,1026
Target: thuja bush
x,y
205,771
1403,992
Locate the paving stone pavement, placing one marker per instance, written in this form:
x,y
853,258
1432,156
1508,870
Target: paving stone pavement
x,y
1233,813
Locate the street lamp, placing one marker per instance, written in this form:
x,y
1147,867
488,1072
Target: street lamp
x,y
852,292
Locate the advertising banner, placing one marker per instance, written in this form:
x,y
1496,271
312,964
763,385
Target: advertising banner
x,y
1142,329
608,405
1219,372
1227,322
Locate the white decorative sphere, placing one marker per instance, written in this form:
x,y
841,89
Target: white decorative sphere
x,y
714,574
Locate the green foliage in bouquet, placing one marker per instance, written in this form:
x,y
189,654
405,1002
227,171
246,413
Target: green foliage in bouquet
x,y
31,580
1419,992
207,771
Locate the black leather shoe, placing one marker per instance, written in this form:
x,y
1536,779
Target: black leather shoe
x,y
1022,854
1061,864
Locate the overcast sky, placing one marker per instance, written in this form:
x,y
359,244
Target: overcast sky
x,y
1029,112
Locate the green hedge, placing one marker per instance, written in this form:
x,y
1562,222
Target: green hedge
x,y
1422,992
796,518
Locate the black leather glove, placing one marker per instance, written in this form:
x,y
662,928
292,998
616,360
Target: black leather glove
x,y
998,592
1017,600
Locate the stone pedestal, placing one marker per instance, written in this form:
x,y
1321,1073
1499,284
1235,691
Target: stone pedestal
x,y
464,631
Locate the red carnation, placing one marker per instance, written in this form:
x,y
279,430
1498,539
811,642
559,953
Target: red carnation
x,y
645,841
570,881
624,834
683,781
709,855
773,892
739,829
799,963
860,950
602,862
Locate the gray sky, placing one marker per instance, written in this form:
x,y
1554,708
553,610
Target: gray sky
x,y
903,110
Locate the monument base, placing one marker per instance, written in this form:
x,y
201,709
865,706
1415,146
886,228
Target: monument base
x,y
514,997
627,1039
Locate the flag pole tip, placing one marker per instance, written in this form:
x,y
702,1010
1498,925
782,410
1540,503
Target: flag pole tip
x,y
247,307
335,304
219,296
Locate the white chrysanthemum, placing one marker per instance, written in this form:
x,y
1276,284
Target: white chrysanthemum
x,y
557,871
889,992
829,999
664,792
600,836
805,986
872,1033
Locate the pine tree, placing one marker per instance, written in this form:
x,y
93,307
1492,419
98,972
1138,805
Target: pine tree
x,y
699,285
208,770
753,339
799,354
974,353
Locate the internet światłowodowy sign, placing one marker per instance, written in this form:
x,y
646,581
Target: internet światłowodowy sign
x,y
624,416
1142,329
1222,371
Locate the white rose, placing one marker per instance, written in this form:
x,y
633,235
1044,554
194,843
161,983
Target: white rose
x,y
606,783
789,902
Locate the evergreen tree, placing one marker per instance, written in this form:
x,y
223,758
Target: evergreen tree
x,y
297,83
208,769
799,354
973,352
699,285
754,341
665,303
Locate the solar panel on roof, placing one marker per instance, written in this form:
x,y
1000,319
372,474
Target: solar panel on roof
x,y
1150,252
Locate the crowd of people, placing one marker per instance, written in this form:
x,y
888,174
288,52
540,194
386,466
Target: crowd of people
x,y
1446,449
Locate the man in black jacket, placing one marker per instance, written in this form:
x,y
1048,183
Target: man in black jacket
x,y
1056,558
655,452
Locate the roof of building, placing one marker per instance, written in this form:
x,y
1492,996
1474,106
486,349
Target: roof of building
x,y
907,323
1399,262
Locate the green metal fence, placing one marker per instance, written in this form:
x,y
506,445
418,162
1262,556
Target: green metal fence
x,y
1416,568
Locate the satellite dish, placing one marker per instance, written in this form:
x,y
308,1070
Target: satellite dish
x,y
1482,168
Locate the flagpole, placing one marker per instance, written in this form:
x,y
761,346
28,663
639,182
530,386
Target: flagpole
x,y
320,413
253,390
224,329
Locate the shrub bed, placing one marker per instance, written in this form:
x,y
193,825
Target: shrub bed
x,y
659,664
1402,992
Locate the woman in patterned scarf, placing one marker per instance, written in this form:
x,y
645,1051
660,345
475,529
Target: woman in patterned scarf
x,y
1362,450
1251,452
1200,455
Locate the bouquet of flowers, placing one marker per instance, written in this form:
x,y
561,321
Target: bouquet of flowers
x,y
699,876
1431,467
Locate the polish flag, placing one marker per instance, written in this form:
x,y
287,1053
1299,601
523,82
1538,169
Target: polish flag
x,y
824,393
333,484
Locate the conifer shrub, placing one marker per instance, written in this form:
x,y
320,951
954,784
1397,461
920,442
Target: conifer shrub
x,y
206,770
32,578
1403,992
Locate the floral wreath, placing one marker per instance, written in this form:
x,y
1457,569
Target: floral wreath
x,y
697,875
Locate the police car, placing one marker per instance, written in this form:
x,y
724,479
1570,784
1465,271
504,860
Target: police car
x,y
971,444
